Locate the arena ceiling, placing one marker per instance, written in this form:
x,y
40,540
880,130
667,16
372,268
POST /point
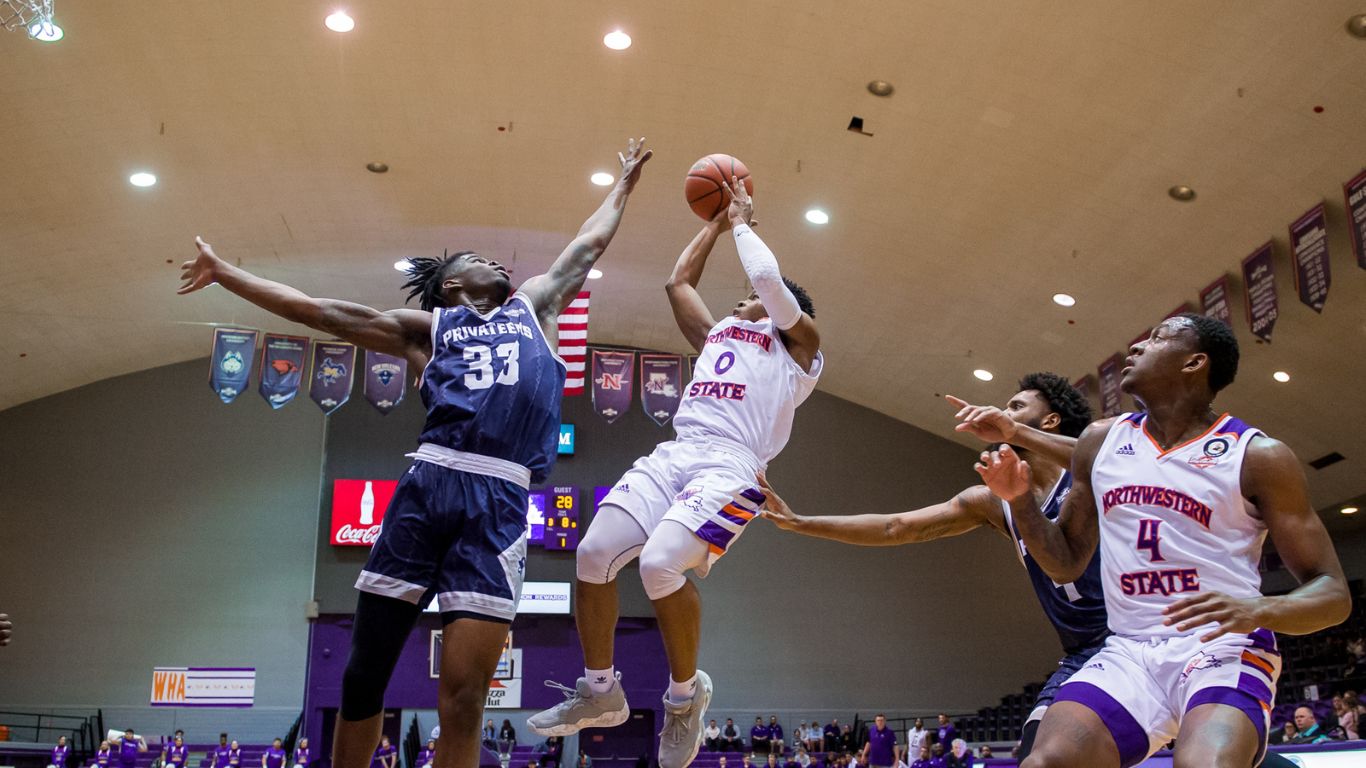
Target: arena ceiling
x,y
1027,150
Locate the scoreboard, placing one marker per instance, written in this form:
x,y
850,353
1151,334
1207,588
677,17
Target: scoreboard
x,y
562,518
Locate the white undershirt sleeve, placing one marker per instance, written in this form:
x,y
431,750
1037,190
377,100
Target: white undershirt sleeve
x,y
762,268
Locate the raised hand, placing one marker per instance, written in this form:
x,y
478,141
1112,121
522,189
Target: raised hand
x,y
986,422
635,156
201,271
1004,473
775,509
741,204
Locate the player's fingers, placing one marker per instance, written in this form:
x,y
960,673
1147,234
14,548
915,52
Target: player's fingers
x,y
621,158
956,402
981,470
1186,602
649,153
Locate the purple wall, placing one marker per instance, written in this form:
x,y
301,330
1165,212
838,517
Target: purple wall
x,y
550,651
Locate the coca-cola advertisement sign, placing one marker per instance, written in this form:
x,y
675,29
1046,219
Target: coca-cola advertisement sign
x,y
358,509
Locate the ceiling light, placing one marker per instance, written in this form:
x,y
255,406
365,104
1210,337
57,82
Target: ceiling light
x,y
402,265
46,31
1063,300
881,88
1182,192
602,178
1356,26
594,274
142,179
377,167
340,22
1348,510
984,375
817,216
1281,376
617,40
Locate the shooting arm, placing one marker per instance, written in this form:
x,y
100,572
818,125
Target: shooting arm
x,y
690,312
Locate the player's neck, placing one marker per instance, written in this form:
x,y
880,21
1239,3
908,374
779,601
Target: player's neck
x,y
1175,420
1043,474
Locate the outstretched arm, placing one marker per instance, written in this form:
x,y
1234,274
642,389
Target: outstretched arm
x,y
551,292
1062,548
992,425
1274,482
690,312
402,332
967,511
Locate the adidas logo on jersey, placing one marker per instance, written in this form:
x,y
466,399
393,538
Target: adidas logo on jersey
x,y
1125,450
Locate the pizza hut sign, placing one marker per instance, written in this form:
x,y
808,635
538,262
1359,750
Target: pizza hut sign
x,y
358,509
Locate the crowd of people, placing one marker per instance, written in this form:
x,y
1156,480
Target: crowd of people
x,y
1342,723
122,752
833,745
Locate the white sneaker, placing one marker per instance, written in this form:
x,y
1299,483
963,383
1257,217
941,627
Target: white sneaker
x,y
581,709
682,734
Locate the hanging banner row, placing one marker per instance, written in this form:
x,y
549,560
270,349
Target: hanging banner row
x,y
613,378
285,361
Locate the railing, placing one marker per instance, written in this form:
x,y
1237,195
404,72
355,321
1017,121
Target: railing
x,y
83,733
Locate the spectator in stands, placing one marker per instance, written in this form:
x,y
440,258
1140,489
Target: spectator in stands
x,y
427,756
711,737
959,755
59,754
1347,718
1356,657
490,734
847,740
6,628
587,762
274,757
745,762
800,756
758,737
1353,703
508,733
552,752
775,736
730,737
922,759
1283,736
130,745
176,754
302,754
937,756
234,754
880,748
831,734
984,752
103,755
220,754
1310,732
946,733
772,761
917,737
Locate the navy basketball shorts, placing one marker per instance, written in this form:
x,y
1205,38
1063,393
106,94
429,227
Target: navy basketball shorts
x,y
1068,666
457,535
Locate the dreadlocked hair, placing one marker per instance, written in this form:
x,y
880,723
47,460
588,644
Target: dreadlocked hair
x,y
425,276
1073,410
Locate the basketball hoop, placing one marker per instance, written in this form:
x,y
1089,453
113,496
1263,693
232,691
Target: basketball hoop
x,y
33,16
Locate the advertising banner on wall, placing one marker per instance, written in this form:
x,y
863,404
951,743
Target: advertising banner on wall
x,y
233,687
358,509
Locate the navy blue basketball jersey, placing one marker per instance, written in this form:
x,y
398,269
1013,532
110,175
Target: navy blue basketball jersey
x,y
493,386
1077,610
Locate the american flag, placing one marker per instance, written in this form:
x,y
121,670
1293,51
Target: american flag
x,y
574,342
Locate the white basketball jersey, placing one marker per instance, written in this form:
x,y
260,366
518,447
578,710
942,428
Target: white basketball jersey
x,y
745,388
1173,523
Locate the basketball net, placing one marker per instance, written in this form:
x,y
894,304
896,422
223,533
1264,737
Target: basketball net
x,y
29,15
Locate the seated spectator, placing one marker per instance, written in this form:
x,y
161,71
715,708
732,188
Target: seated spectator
x,y
801,757
711,737
386,756
1310,730
57,759
730,738
234,754
775,736
745,762
508,733
1283,736
302,754
103,755
273,757
1356,657
427,756
1347,718
758,737
847,740
984,752
946,733
772,761
721,763
831,735
937,759
489,736
177,755
922,758
585,761
959,755
552,750
815,738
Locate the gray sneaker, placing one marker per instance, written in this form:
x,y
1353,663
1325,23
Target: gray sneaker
x,y
682,734
580,709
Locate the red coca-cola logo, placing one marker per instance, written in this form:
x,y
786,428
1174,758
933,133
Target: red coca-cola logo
x,y
358,512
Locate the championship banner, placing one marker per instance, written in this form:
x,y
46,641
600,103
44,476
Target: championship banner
x,y
1109,386
1355,192
1259,288
1214,301
573,327
1309,248
203,686
230,362
385,380
282,367
661,381
334,367
612,383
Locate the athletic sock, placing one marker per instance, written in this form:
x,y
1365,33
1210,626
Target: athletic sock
x,y
600,680
684,691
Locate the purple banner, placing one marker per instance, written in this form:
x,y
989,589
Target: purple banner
x,y
612,383
385,380
1259,292
230,362
661,381
334,368
1355,193
1214,301
282,367
1309,247
1109,386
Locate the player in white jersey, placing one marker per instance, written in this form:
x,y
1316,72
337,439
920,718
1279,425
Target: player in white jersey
x,y
1180,500
681,507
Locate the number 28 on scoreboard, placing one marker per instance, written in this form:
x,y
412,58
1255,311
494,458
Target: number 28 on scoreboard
x,y
562,519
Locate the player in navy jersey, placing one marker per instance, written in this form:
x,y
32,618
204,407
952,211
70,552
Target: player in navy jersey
x,y
1043,420
1188,498
456,527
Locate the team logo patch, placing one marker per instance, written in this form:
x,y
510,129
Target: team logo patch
x,y
622,488
1095,665
1202,660
232,362
1125,450
1213,451
691,498
330,372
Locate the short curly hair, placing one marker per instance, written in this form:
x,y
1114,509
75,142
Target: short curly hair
x,y
1063,399
803,298
1216,340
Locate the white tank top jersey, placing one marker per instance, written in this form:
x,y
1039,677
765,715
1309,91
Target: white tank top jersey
x,y
1173,523
745,389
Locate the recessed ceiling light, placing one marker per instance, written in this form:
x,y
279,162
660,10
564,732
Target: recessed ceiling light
x,y
1063,300
881,88
594,274
45,31
142,179
1281,376
817,216
1182,192
377,167
617,40
402,265
1356,26
602,178
1348,510
984,375
340,22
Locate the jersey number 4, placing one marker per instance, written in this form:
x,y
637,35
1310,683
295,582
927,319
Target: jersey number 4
x,y
480,358
1149,538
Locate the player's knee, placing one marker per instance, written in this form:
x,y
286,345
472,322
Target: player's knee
x,y
593,561
1044,756
660,573
362,690
461,698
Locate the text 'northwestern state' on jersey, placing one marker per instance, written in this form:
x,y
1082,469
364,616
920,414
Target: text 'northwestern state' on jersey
x,y
1076,609
493,385
745,388
1173,523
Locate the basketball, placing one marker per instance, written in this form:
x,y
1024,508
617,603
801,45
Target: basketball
x,y
705,186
